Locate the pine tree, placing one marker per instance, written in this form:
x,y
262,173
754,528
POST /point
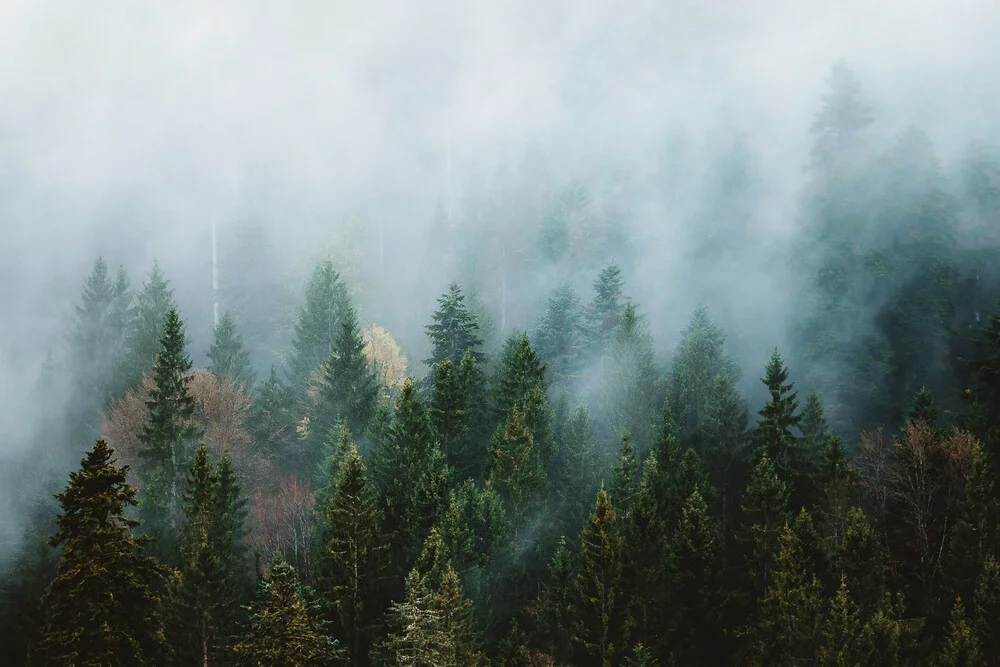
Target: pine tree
x,y
317,326
961,647
598,580
766,511
632,391
605,310
454,330
272,419
833,484
412,475
449,413
282,630
559,336
478,417
626,479
353,555
146,317
167,436
696,594
777,418
516,470
349,389
521,381
556,609
788,630
923,408
841,631
102,608
228,356
814,427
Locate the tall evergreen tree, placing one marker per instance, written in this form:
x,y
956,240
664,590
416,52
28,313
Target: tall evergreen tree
x,y
766,511
349,389
145,322
167,437
598,579
353,556
228,356
961,647
283,630
632,392
317,326
605,310
272,418
559,335
102,608
521,381
454,330
516,470
777,418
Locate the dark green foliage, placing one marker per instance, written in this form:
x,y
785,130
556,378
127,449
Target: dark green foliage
x,y
412,476
814,427
599,575
516,470
559,335
605,309
353,556
833,486
766,510
555,610
168,435
632,392
317,326
521,381
349,389
145,324
228,356
26,577
283,630
961,646
777,419
102,607
987,606
272,420
454,330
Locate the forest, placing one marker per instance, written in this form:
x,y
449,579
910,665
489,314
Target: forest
x,y
547,486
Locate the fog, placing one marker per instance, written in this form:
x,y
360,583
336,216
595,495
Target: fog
x,y
128,127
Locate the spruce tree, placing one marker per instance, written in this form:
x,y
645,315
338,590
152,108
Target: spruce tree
x,y
478,418
145,323
353,556
454,330
605,310
987,606
961,647
228,356
349,389
521,381
516,470
283,631
103,606
814,427
923,408
777,418
840,636
766,511
598,579
632,391
167,436
317,325
412,475
449,413
557,606
272,418
559,335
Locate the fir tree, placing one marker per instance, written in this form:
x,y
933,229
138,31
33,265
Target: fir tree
x,y
521,381
412,475
516,470
833,483
841,631
282,630
317,326
454,330
559,336
814,427
272,419
146,317
227,354
777,418
766,511
626,479
478,419
349,390
353,555
631,381
923,408
961,647
598,580
449,413
556,609
605,310
102,608
168,434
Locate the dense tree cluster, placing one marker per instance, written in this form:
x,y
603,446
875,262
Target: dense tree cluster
x,y
557,495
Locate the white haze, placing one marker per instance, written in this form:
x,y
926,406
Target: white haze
x,y
126,126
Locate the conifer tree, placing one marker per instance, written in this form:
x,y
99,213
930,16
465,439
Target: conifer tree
x,y
228,356
766,511
777,418
516,470
478,418
814,427
626,479
598,580
454,330
833,484
412,475
272,419
167,436
521,381
353,555
559,336
317,325
103,606
841,631
923,408
632,391
696,588
961,647
556,607
145,322
283,630
859,557
987,606
605,310
349,389
449,413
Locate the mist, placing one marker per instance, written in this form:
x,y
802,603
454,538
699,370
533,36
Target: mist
x,y
343,130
